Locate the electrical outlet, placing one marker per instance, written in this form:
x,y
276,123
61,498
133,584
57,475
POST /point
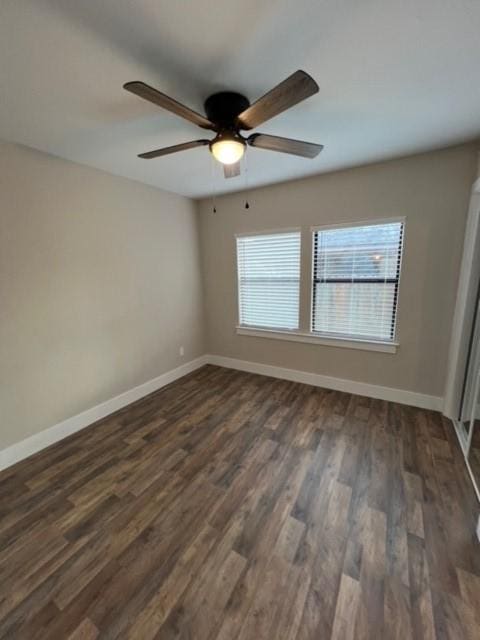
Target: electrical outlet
x,y
182,351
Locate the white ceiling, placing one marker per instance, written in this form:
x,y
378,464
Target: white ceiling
x,y
395,76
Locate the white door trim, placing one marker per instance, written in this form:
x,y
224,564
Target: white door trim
x,y
464,308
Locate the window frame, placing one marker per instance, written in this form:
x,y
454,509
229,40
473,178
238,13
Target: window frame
x,y
307,274
348,225
267,232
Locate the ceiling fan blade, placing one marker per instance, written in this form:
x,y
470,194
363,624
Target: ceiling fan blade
x,y
285,145
152,95
231,170
176,147
291,91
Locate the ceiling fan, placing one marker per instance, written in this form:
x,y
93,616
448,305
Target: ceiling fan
x,y
228,113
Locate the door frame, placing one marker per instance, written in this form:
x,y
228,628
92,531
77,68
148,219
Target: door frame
x,y
468,287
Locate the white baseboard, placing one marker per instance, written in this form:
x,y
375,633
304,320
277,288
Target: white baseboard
x,y
328,382
43,439
47,437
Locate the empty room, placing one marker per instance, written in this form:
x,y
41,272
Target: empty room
x,y
240,320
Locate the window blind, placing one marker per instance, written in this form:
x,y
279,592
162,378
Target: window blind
x,y
269,280
356,273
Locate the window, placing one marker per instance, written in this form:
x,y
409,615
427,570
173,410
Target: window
x,y
356,274
269,280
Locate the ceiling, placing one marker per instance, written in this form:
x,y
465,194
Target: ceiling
x,y
395,76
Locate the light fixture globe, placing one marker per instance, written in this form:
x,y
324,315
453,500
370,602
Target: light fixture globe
x,y
227,147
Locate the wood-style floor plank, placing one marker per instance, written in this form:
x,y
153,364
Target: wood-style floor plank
x,y
232,506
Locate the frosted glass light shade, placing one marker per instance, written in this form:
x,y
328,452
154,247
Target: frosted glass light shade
x,y
228,151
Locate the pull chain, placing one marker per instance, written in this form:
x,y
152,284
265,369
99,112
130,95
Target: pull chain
x,y
214,184
247,205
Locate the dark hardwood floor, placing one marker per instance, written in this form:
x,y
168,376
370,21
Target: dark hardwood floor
x,y
235,506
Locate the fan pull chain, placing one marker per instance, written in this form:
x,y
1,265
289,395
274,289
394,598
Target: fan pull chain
x,y
247,204
214,185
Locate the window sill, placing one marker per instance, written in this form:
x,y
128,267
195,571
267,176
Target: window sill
x,y
298,336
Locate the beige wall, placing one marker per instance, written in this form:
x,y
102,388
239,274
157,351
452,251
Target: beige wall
x,y
99,287
431,190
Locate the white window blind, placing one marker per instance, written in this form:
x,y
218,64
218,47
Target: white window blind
x,y
356,273
269,280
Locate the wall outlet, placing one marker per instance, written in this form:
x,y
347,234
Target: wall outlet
x,y
181,351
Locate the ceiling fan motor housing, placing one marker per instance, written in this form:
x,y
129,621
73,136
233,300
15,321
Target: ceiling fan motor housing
x,y
224,107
